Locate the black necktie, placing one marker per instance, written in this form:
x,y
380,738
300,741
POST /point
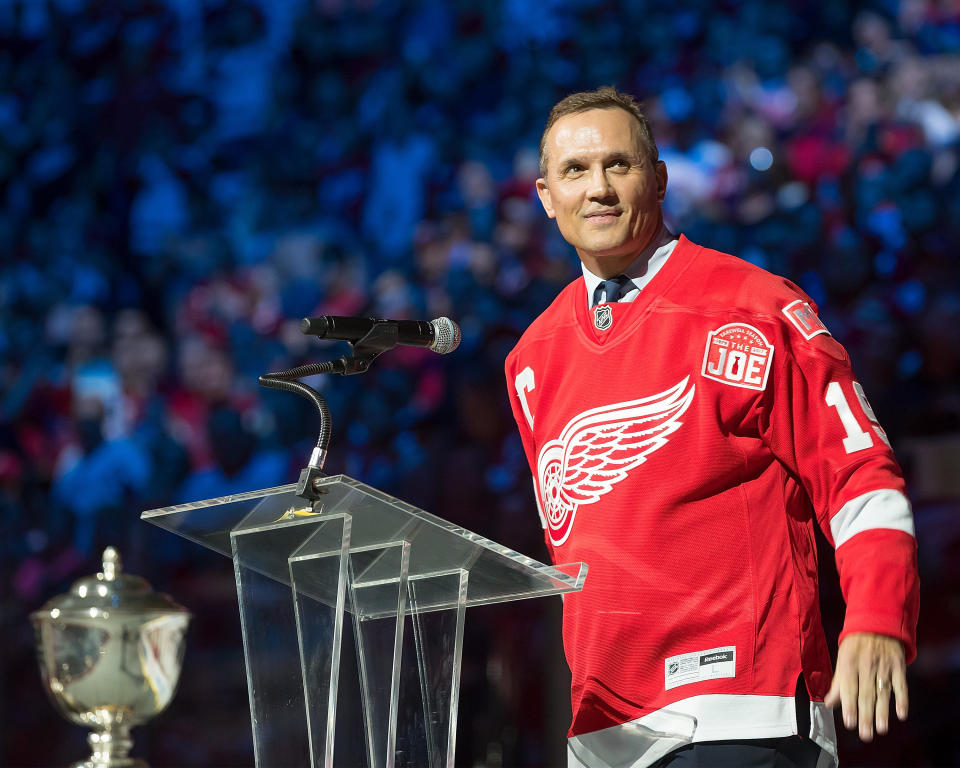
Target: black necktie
x,y
611,291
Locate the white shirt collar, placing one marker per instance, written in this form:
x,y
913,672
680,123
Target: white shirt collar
x,y
642,269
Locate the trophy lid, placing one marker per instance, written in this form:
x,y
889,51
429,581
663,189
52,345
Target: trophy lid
x,y
111,590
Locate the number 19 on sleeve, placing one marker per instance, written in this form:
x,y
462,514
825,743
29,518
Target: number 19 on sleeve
x,y
856,439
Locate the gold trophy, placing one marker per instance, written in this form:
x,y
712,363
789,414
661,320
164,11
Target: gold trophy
x,y
110,654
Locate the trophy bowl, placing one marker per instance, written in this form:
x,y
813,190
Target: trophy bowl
x,y
110,654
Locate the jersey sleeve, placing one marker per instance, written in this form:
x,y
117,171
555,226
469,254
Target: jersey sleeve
x,y
818,423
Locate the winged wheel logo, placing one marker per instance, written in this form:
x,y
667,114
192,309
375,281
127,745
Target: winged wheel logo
x,y
598,448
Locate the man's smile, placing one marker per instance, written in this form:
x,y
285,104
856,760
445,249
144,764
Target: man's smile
x,y
603,216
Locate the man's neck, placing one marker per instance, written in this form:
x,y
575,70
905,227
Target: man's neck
x,y
641,270
631,265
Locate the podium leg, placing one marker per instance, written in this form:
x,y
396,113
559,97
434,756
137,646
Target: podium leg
x,y
379,617
438,641
270,646
319,578
409,632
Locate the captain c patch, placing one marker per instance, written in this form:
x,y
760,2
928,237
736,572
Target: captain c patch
x,y
738,354
804,319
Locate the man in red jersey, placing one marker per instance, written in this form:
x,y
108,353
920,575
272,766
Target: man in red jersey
x,y
687,417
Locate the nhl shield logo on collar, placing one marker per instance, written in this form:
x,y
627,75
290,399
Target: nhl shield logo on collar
x,y
602,317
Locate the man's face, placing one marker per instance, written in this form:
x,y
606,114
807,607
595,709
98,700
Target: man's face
x,y
602,187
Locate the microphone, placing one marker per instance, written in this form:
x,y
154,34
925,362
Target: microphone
x,y
441,335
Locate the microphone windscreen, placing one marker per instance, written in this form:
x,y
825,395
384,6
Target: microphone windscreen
x,y
446,335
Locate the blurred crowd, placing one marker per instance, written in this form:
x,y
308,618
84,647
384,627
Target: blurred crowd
x,y
182,181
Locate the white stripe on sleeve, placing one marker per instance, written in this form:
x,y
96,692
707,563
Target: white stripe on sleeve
x,y
876,509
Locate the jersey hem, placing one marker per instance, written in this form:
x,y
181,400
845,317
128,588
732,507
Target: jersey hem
x,y
708,717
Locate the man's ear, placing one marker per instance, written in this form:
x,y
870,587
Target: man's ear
x,y
661,180
543,192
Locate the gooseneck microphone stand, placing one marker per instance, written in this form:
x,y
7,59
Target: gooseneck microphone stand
x,y
380,338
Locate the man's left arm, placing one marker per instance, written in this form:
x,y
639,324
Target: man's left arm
x,y
823,428
878,577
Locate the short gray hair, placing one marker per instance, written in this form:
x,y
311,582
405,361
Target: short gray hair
x,y
606,97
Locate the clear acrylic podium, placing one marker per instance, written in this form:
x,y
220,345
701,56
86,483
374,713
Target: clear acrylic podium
x,y
352,614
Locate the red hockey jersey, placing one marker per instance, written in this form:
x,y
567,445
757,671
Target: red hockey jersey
x,y
682,446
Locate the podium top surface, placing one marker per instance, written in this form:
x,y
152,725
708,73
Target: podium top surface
x,y
278,534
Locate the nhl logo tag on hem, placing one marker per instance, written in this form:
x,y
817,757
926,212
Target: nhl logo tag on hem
x,y
602,317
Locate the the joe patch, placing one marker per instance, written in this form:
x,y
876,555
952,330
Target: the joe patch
x,y
739,355
804,319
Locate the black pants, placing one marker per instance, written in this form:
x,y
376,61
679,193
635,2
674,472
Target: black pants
x,y
786,752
